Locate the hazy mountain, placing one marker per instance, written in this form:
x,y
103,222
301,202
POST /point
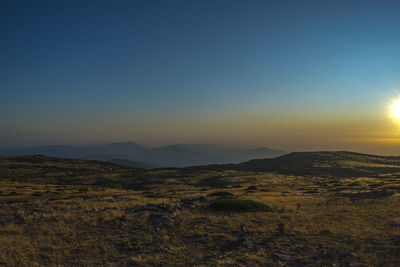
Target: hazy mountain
x,y
179,155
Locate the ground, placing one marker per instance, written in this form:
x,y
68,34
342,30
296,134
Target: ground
x,y
57,212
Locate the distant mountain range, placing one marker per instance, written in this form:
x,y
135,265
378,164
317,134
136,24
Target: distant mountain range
x,y
135,155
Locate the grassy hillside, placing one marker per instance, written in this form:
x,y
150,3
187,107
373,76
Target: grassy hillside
x,y
88,213
333,164
347,164
42,169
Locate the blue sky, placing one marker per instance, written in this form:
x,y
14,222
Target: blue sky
x,y
186,71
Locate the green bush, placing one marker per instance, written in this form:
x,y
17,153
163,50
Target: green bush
x,y
238,205
252,187
221,194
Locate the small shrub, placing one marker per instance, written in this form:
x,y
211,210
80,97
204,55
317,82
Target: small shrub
x,y
354,184
238,205
252,187
150,195
221,194
369,194
311,191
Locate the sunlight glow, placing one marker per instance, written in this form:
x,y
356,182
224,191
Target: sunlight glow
x,y
396,109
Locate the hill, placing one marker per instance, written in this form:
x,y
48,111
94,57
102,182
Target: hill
x,y
179,155
50,170
323,163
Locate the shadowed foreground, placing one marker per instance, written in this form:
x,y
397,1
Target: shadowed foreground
x,y
86,213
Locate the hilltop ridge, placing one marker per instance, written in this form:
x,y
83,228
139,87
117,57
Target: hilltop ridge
x,y
321,163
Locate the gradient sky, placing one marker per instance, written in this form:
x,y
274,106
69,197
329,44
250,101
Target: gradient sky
x,y
294,75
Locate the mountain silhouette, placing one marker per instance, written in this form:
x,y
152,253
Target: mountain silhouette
x,y
178,155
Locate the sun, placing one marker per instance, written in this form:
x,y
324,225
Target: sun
x,y
396,109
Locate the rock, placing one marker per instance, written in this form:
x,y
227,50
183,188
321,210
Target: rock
x,y
168,248
339,236
282,256
394,224
327,263
118,199
241,237
194,202
159,219
242,233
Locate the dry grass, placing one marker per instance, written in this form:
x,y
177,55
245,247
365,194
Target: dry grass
x,y
326,221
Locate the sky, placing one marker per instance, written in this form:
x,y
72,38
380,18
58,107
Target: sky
x,y
293,75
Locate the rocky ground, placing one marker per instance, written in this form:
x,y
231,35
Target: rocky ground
x,y
52,216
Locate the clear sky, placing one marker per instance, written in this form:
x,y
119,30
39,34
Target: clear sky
x,y
295,75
